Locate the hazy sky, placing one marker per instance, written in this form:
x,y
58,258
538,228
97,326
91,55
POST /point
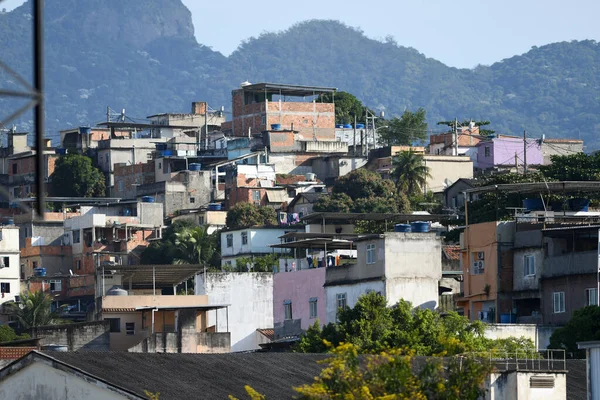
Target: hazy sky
x,y
460,33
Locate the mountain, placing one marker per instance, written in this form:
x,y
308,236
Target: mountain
x,y
141,55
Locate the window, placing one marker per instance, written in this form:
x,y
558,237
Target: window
x,y
55,286
159,165
77,236
591,297
312,303
371,254
130,328
263,120
287,308
121,186
256,195
341,300
244,238
559,302
4,262
487,151
35,264
4,287
14,168
78,264
26,232
529,265
230,240
192,200
115,324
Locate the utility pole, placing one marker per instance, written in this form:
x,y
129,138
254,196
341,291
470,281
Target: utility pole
x,y
524,152
455,152
206,126
354,141
516,163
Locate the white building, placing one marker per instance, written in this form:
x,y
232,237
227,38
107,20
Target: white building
x,y
398,265
250,296
251,242
10,263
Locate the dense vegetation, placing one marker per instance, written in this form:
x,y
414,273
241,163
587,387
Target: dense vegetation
x,y
142,56
372,327
584,326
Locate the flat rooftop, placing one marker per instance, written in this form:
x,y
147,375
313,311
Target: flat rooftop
x,y
289,90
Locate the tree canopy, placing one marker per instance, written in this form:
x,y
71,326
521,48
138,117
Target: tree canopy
x,y
195,245
373,327
35,309
347,107
403,131
363,191
583,326
75,176
482,131
243,215
410,173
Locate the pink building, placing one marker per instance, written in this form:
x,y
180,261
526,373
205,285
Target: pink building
x,y
298,300
504,151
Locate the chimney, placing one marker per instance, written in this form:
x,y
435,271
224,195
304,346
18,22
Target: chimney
x,y
199,108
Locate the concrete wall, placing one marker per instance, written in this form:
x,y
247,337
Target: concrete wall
x,y
539,334
520,280
259,241
92,336
413,268
9,251
250,295
42,380
502,152
560,147
446,168
516,385
353,292
299,287
575,297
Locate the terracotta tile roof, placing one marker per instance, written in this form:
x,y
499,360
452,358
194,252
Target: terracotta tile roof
x,y
118,310
269,333
452,252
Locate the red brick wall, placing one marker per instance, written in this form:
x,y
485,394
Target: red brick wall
x,y
13,353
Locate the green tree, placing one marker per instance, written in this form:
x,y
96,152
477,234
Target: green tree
x,y
243,215
8,334
35,309
573,167
194,245
336,202
347,107
403,131
410,173
583,326
394,375
75,176
165,251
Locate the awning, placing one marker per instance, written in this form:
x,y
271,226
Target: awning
x,y
277,196
196,307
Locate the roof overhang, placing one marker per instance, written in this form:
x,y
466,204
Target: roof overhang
x,y
205,307
288,90
319,217
317,243
540,187
155,275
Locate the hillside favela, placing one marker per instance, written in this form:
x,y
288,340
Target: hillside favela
x,y
299,201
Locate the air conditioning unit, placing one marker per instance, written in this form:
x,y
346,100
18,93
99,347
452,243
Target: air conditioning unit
x,y
480,255
478,267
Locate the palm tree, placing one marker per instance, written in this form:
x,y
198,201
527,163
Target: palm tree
x,y
194,245
35,309
410,172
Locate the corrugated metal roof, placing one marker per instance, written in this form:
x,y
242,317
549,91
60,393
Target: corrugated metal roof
x,y
277,196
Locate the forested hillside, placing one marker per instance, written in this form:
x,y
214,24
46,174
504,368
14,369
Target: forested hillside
x,y
142,56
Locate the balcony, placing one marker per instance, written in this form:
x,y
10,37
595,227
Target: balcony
x,y
192,342
585,262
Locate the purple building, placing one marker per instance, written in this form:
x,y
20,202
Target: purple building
x,y
500,153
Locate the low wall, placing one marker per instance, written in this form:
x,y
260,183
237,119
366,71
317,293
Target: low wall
x,y
193,342
79,336
539,334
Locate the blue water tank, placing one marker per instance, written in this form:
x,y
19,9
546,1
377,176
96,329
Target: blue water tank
x,y
166,153
579,204
402,228
161,146
147,199
195,167
10,221
215,207
420,226
85,130
360,126
339,126
60,151
127,212
39,271
275,127
347,126
533,204
505,318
